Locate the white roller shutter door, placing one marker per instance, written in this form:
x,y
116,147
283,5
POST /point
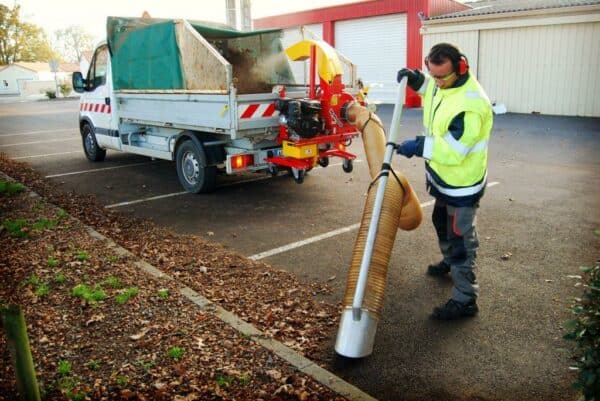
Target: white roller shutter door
x,y
377,46
294,35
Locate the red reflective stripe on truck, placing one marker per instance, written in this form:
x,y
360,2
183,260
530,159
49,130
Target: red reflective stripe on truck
x,y
249,111
269,111
95,108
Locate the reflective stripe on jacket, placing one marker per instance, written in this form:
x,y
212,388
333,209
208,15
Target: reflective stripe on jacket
x,y
456,159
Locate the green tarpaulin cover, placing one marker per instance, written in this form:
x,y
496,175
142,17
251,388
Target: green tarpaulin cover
x,y
145,54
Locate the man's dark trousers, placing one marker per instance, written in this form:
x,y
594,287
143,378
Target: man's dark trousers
x,y
457,236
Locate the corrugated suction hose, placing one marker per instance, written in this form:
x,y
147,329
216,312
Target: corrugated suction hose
x,y
401,208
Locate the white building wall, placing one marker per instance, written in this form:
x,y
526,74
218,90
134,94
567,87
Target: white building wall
x,y
546,69
546,63
11,79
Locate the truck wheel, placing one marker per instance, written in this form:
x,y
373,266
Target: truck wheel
x,y
90,146
347,165
192,176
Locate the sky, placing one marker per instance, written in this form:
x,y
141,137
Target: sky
x,y
52,15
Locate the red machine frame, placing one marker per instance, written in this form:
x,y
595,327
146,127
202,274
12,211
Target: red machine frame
x,y
338,133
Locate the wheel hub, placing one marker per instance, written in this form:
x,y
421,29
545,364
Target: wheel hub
x,y
191,168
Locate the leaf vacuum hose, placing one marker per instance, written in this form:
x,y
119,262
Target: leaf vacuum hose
x,y
391,203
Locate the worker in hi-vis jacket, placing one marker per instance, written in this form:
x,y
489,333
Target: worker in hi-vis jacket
x,y
458,118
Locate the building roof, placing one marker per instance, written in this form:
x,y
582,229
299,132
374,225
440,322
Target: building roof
x,y
68,67
511,6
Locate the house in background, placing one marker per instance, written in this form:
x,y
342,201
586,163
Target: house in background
x,y
33,78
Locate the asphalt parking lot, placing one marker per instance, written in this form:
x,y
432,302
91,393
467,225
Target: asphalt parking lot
x,y
540,212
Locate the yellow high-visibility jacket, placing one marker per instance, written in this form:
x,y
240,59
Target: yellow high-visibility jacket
x,y
458,122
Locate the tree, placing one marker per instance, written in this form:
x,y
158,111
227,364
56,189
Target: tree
x,y
21,41
37,48
71,42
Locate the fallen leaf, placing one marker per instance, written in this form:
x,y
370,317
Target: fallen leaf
x,y
139,335
274,374
95,318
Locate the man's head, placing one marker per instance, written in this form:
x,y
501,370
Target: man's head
x,y
445,63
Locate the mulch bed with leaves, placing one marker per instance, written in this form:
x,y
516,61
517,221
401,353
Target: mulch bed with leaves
x,y
100,328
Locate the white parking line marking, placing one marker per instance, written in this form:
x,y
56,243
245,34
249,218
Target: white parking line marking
x,y
307,241
145,199
98,169
49,140
46,155
329,234
133,202
39,132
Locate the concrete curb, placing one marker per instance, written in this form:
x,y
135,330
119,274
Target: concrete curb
x,y
294,358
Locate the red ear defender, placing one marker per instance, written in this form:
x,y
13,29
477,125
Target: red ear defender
x,y
463,65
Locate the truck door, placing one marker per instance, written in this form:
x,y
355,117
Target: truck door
x,y
97,104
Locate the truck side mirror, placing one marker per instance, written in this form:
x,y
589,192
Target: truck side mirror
x,y
78,82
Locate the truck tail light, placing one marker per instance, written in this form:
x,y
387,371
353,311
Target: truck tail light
x,y
241,161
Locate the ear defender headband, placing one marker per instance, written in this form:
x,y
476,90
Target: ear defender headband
x,y
461,67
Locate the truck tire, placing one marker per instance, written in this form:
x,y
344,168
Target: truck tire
x,y
90,146
192,175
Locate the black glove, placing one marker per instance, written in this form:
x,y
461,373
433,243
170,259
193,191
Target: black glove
x,y
415,78
407,148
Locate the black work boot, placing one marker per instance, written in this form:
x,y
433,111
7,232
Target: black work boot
x,y
438,270
453,310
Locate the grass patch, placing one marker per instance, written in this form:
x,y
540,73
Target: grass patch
x,y
163,293
64,368
224,380
93,364
82,291
43,224
33,280
113,282
175,353
60,278
10,188
126,295
146,365
42,290
61,214
113,259
16,227
122,380
82,256
52,262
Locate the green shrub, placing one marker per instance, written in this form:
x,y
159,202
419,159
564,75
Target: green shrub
x,y
64,89
10,187
584,329
51,94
